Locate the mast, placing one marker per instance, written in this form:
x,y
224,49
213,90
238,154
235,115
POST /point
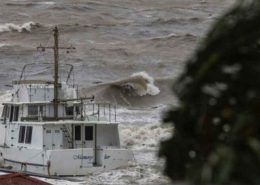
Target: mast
x,y
56,72
56,69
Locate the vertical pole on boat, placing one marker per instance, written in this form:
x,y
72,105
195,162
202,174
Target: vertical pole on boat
x,y
109,109
56,68
98,112
56,71
72,133
115,112
95,145
81,112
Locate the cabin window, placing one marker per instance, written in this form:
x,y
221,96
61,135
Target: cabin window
x,y
28,136
77,132
16,113
21,134
25,134
69,111
88,133
11,114
41,110
33,110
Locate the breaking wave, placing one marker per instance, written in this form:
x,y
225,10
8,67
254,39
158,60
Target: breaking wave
x,y
3,45
29,4
139,90
140,83
26,27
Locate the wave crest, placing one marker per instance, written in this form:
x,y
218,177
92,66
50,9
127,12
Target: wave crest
x,y
139,84
139,90
26,27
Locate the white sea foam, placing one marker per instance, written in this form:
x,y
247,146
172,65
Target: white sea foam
x,y
3,45
15,27
139,116
146,169
134,174
144,136
151,89
47,3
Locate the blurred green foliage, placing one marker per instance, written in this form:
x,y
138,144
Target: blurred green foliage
x,y
216,136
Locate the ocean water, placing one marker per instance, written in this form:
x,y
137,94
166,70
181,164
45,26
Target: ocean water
x,y
128,52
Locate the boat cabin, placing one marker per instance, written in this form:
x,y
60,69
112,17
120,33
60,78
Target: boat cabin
x,y
31,125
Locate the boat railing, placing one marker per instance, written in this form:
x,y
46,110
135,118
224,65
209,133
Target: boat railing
x,y
78,111
69,74
100,112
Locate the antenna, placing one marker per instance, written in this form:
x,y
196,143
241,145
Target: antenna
x,y
55,49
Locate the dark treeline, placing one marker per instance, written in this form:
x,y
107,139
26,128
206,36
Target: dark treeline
x,y
216,136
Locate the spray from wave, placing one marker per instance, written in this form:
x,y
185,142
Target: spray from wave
x,y
26,27
139,84
139,90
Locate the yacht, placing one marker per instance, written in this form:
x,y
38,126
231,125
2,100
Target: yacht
x,y
48,129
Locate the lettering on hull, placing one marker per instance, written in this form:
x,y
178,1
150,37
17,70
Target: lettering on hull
x,y
82,157
106,156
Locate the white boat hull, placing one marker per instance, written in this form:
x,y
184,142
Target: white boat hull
x,y
65,162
